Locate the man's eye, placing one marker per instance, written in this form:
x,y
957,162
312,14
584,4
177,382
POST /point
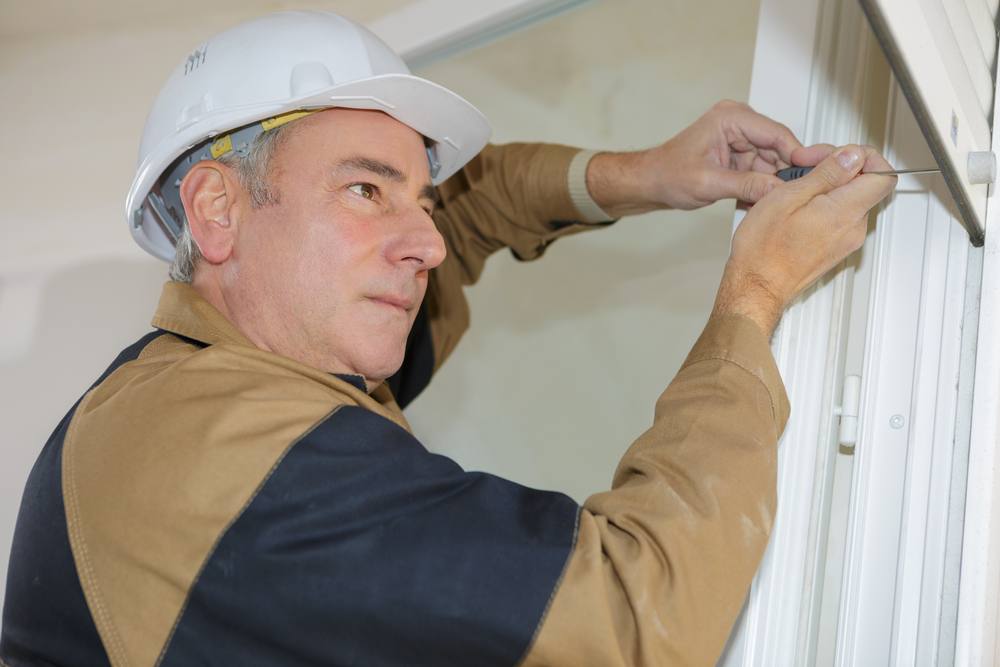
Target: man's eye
x,y
366,190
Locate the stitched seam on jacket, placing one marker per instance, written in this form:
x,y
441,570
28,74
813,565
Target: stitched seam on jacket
x,y
113,645
758,376
555,590
236,517
70,503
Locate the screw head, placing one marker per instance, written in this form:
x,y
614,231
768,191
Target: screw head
x,y
897,421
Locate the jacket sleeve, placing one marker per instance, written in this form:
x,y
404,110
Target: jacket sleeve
x,y
662,562
517,196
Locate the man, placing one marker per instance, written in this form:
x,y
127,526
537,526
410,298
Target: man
x,y
241,487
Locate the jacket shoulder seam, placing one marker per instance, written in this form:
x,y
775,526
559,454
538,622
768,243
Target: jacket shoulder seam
x,y
555,590
236,517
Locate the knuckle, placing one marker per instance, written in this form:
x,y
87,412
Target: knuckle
x,y
728,105
703,181
829,178
750,189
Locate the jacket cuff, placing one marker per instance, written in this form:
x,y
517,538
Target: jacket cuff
x,y
740,341
576,178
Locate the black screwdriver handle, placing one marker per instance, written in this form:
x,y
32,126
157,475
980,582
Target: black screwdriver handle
x,y
791,173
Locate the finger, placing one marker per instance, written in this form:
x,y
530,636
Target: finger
x,y
742,161
862,194
836,170
766,161
764,133
748,186
810,156
769,155
875,162
763,166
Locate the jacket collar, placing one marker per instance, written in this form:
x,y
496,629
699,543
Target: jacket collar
x,y
184,312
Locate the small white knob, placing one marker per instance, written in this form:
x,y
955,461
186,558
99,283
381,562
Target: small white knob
x,y
848,411
982,167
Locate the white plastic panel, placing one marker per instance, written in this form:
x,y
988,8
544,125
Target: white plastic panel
x,y
944,54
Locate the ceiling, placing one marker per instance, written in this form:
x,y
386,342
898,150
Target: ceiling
x,y
40,18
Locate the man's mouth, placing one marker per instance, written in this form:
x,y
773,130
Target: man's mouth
x,y
399,302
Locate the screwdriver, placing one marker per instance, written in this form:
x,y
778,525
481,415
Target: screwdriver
x,y
791,173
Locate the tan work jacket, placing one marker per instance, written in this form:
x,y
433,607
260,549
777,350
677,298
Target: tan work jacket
x,y
207,502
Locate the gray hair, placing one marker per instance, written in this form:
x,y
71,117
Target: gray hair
x,y
253,170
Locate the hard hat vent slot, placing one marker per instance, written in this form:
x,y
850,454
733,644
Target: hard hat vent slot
x,y
194,112
309,78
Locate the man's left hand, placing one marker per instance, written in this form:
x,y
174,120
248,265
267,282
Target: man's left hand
x,y
730,152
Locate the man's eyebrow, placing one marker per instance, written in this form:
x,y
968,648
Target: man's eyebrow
x,y
385,171
430,192
375,166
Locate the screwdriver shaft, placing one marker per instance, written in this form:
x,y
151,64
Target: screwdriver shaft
x,y
792,173
899,172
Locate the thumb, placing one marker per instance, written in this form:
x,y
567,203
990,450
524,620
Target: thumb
x,y
748,186
837,169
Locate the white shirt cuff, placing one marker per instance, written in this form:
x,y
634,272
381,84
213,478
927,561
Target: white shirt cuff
x,y
589,211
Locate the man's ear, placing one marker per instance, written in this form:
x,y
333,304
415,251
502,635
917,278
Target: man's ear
x,y
209,192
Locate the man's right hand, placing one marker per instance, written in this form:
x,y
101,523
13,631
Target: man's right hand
x,y
801,230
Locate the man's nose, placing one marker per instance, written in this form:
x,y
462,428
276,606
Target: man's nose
x,y
418,241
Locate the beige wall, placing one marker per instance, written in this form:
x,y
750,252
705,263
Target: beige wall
x,y
567,355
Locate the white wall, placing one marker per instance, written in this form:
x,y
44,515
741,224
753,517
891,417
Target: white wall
x,y
566,356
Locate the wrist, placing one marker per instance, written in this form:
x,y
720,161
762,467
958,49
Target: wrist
x,y
748,294
617,182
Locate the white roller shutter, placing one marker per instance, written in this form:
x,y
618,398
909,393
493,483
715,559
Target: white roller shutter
x,y
944,55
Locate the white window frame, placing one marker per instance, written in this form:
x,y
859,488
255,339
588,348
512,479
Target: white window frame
x,y
900,576
905,556
797,58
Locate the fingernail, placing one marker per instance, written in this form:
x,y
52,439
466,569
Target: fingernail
x,y
848,157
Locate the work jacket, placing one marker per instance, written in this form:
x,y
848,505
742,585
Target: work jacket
x,y
208,502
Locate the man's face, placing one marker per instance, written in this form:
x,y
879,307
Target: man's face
x,y
334,273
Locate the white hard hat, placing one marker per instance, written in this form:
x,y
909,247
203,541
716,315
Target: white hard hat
x,y
269,67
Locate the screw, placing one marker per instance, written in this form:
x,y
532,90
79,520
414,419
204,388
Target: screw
x,y
897,421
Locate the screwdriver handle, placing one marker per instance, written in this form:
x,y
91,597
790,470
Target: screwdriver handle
x,y
791,173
